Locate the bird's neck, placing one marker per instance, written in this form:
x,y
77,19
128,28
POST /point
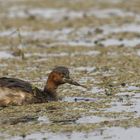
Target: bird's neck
x,y
50,89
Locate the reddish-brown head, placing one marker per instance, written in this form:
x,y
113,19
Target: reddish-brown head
x,y
59,75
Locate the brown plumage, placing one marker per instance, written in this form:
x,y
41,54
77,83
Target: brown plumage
x,y
18,92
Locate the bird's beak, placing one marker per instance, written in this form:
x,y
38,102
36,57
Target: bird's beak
x,y
72,82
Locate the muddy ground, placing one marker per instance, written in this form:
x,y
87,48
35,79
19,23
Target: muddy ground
x,y
99,41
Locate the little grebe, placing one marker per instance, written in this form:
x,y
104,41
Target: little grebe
x,y
18,92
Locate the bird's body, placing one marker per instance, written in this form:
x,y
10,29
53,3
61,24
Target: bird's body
x,y
18,92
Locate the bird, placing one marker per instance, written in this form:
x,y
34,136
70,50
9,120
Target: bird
x,y
15,92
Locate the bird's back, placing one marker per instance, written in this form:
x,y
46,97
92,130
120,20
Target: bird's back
x,y
17,92
13,83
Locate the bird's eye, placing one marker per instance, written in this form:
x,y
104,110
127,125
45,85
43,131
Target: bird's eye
x,y
62,75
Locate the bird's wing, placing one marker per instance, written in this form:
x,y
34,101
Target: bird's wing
x,y
14,83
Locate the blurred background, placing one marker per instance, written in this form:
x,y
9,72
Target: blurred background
x,y
99,41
